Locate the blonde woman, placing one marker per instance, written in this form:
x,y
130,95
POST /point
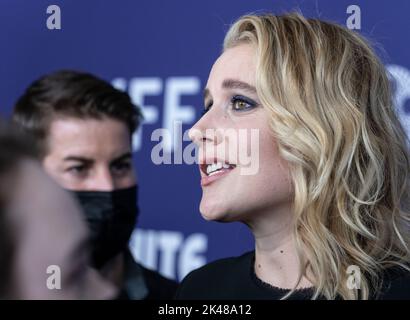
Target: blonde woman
x,y
329,202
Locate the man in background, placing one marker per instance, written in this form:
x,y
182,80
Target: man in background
x,y
84,127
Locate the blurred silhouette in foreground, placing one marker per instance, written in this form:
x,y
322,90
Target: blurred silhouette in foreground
x,y
43,238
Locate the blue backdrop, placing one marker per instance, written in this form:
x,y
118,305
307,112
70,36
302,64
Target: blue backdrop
x,y
161,53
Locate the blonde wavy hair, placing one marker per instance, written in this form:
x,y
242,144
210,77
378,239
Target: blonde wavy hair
x,y
331,110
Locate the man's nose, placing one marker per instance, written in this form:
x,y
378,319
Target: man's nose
x,y
104,181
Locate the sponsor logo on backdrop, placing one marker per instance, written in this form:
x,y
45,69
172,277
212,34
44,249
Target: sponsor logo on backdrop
x,y
169,252
172,89
400,77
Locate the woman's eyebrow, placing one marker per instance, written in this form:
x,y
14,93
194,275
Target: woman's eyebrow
x,y
237,84
232,84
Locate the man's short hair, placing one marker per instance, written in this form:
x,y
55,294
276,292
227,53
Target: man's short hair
x,y
74,94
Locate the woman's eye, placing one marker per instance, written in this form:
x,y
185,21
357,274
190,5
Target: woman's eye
x,y
240,103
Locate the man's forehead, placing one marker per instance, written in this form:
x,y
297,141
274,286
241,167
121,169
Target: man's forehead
x,y
89,138
70,124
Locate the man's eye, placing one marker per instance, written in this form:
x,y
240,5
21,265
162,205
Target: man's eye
x,y
121,167
240,103
77,169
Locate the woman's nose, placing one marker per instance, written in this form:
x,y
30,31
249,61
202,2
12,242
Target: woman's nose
x,y
205,130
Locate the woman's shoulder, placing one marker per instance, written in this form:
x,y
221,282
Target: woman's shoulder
x,y
226,264
214,275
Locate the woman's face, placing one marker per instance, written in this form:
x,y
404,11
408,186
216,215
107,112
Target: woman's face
x,y
235,132
51,249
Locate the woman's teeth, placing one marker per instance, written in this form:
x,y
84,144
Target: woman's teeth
x,y
215,167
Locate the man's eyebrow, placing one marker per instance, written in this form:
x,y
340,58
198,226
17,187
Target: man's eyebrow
x,y
78,158
237,84
123,157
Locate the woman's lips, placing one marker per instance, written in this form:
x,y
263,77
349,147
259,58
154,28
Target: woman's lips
x,y
207,180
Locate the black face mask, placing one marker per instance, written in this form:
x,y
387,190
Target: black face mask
x,y
111,217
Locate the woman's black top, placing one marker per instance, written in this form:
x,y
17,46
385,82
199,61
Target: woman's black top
x,y
235,279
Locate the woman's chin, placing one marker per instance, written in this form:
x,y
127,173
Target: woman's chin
x,y
211,212
214,212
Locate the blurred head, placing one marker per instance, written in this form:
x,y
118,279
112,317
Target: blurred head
x,y
84,128
43,238
324,97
